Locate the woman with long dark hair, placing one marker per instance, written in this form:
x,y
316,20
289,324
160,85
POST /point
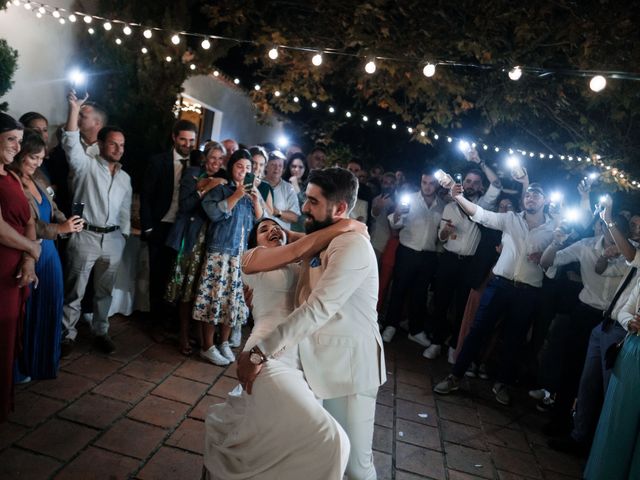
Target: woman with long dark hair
x,y
19,251
42,329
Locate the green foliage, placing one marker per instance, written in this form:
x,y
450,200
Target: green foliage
x,y
552,112
8,65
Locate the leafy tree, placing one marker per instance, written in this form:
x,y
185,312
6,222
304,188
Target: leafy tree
x,y
8,65
540,111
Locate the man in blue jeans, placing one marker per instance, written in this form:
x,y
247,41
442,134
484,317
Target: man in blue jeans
x,y
513,291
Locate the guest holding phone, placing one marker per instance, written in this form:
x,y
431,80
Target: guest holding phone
x,y
18,253
42,327
232,210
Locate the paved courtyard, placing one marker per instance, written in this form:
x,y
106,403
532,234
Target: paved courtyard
x,y
139,414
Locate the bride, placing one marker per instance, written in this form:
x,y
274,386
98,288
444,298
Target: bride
x,y
279,431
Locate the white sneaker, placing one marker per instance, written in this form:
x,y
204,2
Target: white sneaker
x,y
236,336
482,372
214,356
226,352
420,339
388,333
432,352
472,371
540,394
451,356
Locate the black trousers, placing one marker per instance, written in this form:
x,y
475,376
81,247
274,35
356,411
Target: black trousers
x,y
413,273
161,260
451,286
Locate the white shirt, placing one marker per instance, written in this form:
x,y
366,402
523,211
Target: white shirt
x,y
170,216
380,230
467,233
518,242
419,226
626,296
598,289
106,197
285,199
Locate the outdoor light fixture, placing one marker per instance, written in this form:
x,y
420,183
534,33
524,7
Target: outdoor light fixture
x,y
393,126
429,70
236,81
216,73
347,114
379,122
62,21
256,87
276,93
515,73
273,53
175,39
206,44
296,99
87,18
118,41
168,58
598,83
144,50
192,66
72,18
365,118
91,31
314,104
332,110
409,129
317,59
107,26
43,10
55,13
370,67
126,30
282,141
147,33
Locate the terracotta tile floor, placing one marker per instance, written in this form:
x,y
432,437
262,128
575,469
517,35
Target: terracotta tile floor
x,y
139,414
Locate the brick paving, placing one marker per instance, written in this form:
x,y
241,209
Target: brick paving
x,y
139,414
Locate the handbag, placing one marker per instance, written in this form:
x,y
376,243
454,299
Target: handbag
x,y
611,354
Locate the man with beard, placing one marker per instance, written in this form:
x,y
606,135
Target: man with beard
x,y
460,237
159,206
512,293
334,326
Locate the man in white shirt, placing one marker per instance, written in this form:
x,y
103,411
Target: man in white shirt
x,y
286,208
513,291
105,190
460,237
334,325
159,206
417,216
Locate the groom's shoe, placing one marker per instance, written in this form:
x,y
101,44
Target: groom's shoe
x,y
225,350
214,356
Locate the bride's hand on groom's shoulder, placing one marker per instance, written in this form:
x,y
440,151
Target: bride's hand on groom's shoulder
x,y
351,225
246,371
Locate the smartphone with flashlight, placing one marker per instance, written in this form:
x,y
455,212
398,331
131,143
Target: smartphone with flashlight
x,y
77,209
249,178
405,203
78,81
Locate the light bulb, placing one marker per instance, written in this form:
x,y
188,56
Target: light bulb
x,y
365,118
256,87
393,126
91,31
87,18
126,30
429,70
72,18
273,53
175,39
236,81
43,10
147,33
317,59
296,99
206,44
370,67
423,133
27,6
56,13
332,110
515,73
449,139
347,114
62,21
216,73
409,129
598,83
276,93
314,104
379,123
192,66
144,50
107,26
436,136
168,58
118,41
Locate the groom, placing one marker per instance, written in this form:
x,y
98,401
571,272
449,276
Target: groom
x,y
335,324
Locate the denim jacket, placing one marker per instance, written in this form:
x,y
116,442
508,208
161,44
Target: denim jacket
x,y
229,230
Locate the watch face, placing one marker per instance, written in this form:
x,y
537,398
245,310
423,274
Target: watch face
x,y
255,358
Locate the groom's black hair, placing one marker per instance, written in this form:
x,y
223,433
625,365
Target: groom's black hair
x,y
337,185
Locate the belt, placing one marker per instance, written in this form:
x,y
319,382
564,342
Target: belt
x,y
457,255
95,229
514,283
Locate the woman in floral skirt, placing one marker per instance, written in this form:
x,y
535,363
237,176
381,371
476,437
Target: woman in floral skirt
x,y
232,210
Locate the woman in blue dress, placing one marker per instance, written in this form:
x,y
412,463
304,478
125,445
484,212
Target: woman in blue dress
x,y
615,452
40,354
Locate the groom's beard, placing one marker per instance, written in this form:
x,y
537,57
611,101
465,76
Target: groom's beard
x,y
311,224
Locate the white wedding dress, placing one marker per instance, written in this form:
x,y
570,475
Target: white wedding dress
x,y
280,431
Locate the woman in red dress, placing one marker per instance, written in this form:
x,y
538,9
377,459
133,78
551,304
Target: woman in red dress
x,y
18,254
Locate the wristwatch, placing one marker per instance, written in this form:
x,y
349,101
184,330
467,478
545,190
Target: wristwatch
x,y
256,356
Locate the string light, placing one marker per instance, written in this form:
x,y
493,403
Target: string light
x,y
72,18
379,123
332,110
296,99
147,33
87,18
393,126
347,114
144,50
256,87
370,67
55,13
515,73
236,81
276,93
598,83
42,11
216,73
126,30
429,70
62,21
168,58
317,59
91,31
192,66
273,53
175,39
27,6
314,105
118,41
206,44
107,26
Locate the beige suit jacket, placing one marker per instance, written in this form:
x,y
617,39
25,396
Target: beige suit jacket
x,y
335,325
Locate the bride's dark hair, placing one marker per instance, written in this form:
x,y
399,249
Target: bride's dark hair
x,y
252,241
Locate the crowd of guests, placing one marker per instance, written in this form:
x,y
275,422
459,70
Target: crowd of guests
x,y
502,282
